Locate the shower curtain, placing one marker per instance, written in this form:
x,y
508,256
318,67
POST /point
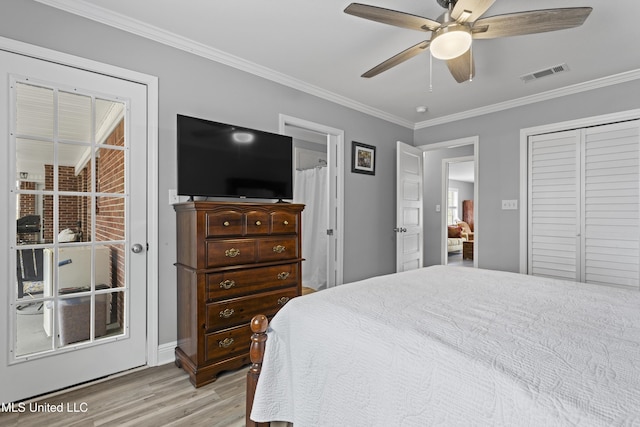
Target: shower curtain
x,y
310,188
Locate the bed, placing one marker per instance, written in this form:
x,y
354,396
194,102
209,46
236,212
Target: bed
x,y
448,345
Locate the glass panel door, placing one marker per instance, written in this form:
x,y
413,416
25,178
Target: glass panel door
x,y
76,297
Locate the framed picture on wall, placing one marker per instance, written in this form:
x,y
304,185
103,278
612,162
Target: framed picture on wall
x,y
363,157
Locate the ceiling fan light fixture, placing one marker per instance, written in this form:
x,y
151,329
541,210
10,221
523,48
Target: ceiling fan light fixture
x,y
450,42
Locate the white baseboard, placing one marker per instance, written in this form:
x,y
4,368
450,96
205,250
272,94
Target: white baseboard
x,y
166,353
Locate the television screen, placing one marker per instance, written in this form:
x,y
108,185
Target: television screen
x,y
223,160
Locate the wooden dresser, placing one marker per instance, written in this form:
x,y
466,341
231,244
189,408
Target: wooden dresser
x,y
234,260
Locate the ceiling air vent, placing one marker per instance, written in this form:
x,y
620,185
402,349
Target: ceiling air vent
x,y
543,73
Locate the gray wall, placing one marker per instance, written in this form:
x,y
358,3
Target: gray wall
x,y
465,192
499,159
195,86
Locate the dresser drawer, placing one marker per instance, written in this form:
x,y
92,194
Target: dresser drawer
x,y
257,222
275,249
230,252
230,284
224,223
227,343
283,222
236,311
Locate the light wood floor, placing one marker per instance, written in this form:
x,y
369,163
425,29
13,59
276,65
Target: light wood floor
x,y
158,396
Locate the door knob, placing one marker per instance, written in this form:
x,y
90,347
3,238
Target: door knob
x,y
137,248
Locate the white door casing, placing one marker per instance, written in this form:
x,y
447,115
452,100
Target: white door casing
x,y
452,144
444,203
335,192
50,370
409,209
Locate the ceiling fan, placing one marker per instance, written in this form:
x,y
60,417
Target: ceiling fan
x,y
454,30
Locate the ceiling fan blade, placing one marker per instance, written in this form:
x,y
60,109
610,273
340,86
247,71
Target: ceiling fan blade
x,y
462,68
397,59
470,10
392,17
531,22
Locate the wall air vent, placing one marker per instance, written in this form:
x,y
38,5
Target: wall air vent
x,y
543,73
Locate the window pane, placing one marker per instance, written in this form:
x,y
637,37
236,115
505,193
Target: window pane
x,y
34,111
74,219
30,333
31,156
110,170
109,218
74,117
108,113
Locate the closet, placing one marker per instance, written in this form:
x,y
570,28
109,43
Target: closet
x,y
584,204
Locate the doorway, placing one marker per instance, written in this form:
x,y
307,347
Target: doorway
x,y
435,196
459,193
76,293
318,183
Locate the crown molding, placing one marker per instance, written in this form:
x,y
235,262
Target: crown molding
x,y
526,100
134,26
130,25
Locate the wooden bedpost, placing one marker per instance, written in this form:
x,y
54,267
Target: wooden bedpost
x,y
259,326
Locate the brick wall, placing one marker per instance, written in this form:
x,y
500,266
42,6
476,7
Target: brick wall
x,y
27,201
110,210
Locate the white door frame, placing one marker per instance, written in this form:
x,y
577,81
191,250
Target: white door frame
x,y
445,202
474,141
335,165
524,169
151,82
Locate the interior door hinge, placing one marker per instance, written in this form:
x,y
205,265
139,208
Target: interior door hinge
x,y
329,232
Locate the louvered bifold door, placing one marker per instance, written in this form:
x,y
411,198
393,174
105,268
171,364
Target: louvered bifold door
x,y
611,226
554,205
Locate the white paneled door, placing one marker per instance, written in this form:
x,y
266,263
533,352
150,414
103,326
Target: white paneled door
x,y
74,218
409,225
584,204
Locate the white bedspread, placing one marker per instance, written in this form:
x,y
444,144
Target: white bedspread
x,y
454,346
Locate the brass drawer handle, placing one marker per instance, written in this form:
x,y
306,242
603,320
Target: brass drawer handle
x,y
279,249
283,300
227,284
258,223
283,275
226,223
285,222
227,313
232,253
225,342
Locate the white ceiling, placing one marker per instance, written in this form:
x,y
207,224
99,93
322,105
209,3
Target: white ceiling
x,y
314,46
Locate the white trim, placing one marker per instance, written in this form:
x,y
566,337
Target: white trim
x,y
524,169
470,140
159,35
444,212
166,353
151,82
335,162
531,99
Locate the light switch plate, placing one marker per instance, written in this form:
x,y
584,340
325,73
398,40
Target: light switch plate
x,y
510,204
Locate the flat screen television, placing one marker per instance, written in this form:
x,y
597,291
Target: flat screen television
x,y
223,160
